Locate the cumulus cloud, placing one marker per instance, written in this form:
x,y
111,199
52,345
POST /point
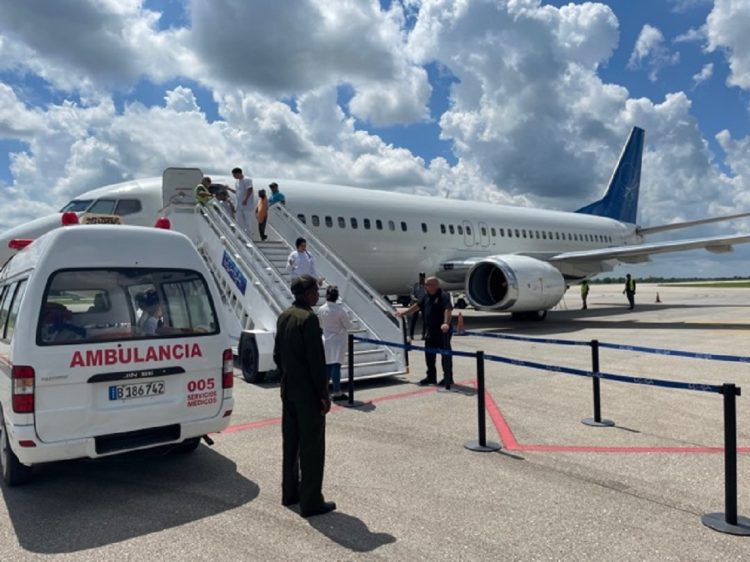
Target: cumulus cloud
x,y
706,72
650,48
727,30
16,120
82,45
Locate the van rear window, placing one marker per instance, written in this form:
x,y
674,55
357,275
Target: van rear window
x,y
97,305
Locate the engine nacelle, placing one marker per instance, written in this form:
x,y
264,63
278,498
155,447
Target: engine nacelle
x,y
514,284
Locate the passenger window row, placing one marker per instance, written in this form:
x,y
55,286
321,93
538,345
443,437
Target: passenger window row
x,y
459,229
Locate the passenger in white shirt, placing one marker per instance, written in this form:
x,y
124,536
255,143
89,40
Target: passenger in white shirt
x,y
335,324
245,202
301,262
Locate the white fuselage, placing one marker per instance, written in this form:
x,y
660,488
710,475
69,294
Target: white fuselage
x,y
389,237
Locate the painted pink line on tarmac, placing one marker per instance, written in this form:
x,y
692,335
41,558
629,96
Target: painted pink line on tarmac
x,y
593,449
335,408
511,444
253,425
503,429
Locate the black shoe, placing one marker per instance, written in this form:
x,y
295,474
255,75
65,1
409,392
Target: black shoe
x,y
325,507
426,381
442,382
339,397
286,502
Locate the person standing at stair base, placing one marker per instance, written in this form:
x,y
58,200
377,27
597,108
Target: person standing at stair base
x,y
245,202
335,323
301,262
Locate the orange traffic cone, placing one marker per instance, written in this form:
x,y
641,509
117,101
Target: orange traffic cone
x,y
460,324
657,297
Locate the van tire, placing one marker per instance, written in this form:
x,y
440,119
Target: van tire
x,y
248,356
14,472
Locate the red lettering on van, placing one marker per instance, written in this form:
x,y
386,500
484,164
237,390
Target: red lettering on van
x,y
123,356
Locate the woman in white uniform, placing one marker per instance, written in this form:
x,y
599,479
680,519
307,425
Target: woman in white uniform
x,y
335,324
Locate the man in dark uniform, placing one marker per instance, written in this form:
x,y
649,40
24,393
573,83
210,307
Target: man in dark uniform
x,y
436,306
300,358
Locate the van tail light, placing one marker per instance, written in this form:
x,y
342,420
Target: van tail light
x,y
227,369
19,243
23,389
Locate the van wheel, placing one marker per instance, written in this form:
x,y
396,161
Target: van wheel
x,y
248,352
14,472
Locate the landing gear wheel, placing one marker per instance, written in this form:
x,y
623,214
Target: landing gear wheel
x,y
461,303
14,472
532,316
248,353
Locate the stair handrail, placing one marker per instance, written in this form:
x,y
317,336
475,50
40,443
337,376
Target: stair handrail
x,y
325,252
234,239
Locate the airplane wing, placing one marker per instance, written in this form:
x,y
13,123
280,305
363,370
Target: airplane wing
x,y
645,231
641,252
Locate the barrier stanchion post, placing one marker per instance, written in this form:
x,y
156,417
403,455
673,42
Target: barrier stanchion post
x,y
481,445
351,402
597,420
729,522
407,344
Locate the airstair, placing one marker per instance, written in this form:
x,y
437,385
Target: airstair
x,y
254,284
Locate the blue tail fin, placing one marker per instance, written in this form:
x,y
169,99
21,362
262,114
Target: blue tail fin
x,y
620,202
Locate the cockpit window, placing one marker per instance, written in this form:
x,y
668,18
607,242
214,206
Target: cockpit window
x,y
77,205
128,207
102,207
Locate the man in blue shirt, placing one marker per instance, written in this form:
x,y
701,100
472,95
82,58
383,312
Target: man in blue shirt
x,y
276,195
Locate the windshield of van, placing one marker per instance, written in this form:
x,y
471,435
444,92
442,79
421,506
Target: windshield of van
x,y
97,305
77,205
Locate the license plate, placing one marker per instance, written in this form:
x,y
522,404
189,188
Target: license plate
x,y
138,390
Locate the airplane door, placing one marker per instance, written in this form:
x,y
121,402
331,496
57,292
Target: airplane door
x,y
178,185
468,233
484,234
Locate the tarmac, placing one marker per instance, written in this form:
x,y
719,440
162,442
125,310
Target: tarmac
x,y
408,489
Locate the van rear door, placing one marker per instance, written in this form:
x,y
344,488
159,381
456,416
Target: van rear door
x,y
123,349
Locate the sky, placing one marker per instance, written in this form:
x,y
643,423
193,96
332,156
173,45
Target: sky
x,y
520,102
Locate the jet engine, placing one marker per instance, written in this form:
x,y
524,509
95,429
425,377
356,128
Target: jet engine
x,y
512,283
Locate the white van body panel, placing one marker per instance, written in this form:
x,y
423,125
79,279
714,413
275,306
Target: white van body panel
x,y
73,400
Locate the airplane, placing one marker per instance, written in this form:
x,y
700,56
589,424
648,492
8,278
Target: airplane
x,y
504,258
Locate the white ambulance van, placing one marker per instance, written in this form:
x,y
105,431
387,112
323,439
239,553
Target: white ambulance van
x,y
110,341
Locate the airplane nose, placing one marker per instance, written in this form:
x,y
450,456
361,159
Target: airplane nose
x,y
32,229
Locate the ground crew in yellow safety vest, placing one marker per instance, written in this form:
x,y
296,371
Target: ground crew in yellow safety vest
x,y
630,290
202,193
584,293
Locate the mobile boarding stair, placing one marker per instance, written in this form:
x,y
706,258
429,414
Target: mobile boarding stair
x,y
254,284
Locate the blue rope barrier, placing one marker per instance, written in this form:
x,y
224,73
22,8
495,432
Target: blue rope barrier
x,y
691,354
555,368
608,376
417,348
622,347
523,338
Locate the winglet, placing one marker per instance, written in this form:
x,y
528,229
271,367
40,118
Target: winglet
x,y
620,202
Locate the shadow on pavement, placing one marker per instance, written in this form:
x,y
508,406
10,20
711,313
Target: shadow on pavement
x,y
79,505
350,532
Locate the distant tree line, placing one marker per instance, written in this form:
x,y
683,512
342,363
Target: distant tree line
x,y
621,280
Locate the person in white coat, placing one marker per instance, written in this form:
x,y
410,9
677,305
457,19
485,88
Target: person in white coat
x,y
335,324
